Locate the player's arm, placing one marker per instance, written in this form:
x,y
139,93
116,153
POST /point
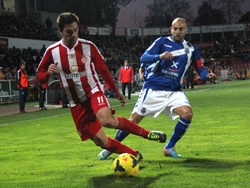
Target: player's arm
x,y
98,60
46,68
202,71
198,65
152,54
141,71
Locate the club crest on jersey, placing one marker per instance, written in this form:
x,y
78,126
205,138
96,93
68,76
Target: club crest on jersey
x,y
143,110
84,59
187,50
73,68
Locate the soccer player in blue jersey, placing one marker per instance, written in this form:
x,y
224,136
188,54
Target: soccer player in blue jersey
x,y
170,57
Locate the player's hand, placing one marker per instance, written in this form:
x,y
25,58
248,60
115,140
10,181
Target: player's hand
x,y
120,97
211,76
53,69
141,77
166,55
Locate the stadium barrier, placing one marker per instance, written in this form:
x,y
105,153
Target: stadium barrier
x,y
54,92
8,91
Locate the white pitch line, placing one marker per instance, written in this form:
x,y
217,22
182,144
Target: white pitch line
x,y
49,117
220,86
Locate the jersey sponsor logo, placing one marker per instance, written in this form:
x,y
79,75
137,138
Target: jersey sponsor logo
x,y
174,66
169,74
75,75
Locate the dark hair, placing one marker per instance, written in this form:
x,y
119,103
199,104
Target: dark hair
x,y
66,18
22,63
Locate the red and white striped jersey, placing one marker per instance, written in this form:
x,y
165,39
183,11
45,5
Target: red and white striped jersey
x,y
77,68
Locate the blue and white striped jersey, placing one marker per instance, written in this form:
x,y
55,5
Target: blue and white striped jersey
x,y
147,67
168,75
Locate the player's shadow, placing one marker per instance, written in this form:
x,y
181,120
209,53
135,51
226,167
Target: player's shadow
x,y
201,164
112,181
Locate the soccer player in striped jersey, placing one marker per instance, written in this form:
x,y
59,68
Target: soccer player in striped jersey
x,y
76,61
170,56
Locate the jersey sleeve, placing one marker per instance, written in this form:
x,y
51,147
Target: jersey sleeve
x,y
198,65
42,69
18,78
132,74
152,54
99,63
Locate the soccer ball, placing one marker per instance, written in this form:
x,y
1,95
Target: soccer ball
x,y
126,165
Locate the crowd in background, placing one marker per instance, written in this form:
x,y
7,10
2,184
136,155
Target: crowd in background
x,y
114,49
11,26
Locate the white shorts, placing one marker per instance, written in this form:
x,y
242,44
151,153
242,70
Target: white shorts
x,y
152,102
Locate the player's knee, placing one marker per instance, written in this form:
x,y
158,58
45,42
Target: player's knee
x,y
99,142
188,115
135,118
108,122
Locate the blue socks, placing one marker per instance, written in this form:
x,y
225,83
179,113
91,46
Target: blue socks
x,y
180,129
120,135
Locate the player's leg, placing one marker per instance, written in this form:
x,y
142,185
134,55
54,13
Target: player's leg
x,y
88,127
186,114
101,108
110,144
107,120
120,135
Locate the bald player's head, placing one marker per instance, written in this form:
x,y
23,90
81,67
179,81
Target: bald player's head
x,y
179,29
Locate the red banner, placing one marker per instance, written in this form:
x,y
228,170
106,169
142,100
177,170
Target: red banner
x,y
4,42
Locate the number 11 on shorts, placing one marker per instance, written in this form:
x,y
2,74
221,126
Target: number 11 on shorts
x,y
100,99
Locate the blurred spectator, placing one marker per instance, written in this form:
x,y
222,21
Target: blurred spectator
x,y
49,24
126,78
8,74
22,85
2,75
43,49
42,91
108,91
190,78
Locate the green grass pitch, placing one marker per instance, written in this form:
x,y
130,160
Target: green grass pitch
x,y
43,149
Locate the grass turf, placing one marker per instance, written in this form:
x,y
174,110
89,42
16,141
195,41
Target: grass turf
x,y
43,149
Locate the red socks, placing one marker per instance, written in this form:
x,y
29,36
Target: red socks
x,y
115,146
131,127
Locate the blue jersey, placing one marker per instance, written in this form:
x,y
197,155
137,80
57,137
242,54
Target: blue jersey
x,y
147,67
168,75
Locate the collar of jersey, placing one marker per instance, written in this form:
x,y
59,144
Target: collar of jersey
x,y
67,46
